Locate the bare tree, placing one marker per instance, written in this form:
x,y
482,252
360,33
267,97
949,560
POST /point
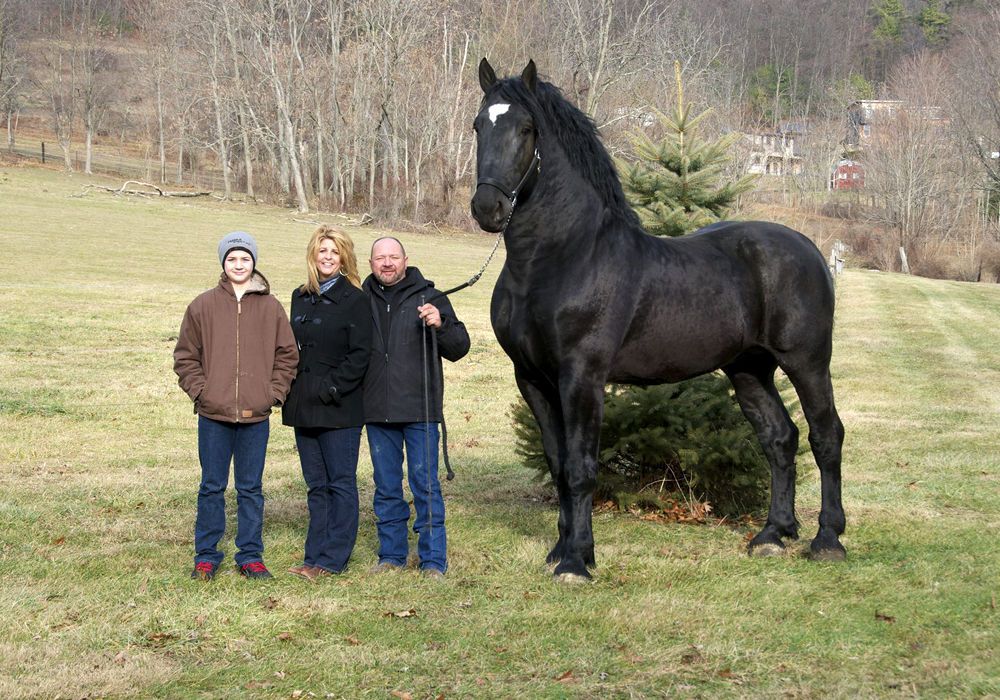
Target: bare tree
x,y
915,169
96,84
57,81
605,42
975,64
12,65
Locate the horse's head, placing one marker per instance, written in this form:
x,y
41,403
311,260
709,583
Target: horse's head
x,y
506,155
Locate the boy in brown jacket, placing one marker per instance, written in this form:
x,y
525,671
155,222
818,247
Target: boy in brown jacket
x,y
236,358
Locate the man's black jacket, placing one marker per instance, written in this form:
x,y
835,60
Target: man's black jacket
x,y
394,384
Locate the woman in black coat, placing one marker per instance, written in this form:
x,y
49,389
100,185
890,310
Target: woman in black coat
x,y
331,320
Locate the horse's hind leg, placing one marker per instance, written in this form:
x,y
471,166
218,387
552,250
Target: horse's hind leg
x,y
752,376
826,437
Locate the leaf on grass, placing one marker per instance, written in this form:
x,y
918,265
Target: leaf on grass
x,y
412,612
566,677
352,640
121,657
884,618
280,675
284,636
271,603
255,685
159,637
59,541
401,694
200,620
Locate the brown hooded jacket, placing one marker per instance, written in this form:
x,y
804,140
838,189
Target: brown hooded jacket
x,y
236,358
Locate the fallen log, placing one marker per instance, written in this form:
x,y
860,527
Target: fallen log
x,y
125,189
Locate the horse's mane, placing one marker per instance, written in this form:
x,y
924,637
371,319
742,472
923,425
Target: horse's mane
x,y
576,134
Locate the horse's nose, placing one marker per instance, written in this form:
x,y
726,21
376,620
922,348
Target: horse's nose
x,y
488,208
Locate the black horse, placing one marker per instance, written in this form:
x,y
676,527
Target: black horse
x,y
587,297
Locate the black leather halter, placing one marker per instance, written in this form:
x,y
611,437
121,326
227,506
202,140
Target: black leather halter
x,y
533,166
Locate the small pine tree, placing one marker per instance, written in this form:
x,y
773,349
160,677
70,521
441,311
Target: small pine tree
x,y
678,184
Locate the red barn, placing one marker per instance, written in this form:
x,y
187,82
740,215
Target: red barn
x,y
847,175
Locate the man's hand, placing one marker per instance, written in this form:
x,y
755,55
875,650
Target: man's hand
x,y
430,315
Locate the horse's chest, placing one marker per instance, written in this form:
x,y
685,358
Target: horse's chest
x,y
524,328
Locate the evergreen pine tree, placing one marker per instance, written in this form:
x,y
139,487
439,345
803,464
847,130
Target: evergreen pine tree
x,y
678,183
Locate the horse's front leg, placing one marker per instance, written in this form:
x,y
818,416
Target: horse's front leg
x,y
543,401
582,410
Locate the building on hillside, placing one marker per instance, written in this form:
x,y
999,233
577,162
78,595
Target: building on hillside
x,y
868,120
863,118
847,175
773,153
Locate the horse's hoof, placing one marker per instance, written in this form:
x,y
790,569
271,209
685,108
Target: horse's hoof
x,y
828,554
767,549
826,546
572,579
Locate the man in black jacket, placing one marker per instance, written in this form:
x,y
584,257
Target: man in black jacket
x,y
400,408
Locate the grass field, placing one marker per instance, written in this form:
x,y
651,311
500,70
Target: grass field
x,y
98,475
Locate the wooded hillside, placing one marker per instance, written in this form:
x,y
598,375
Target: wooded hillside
x,y
367,105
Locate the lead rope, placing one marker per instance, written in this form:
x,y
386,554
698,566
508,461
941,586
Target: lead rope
x,y
427,429
534,166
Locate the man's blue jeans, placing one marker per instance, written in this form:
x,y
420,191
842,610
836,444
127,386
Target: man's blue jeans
x,y
245,445
392,513
329,460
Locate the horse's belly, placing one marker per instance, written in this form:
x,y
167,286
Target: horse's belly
x,y
672,357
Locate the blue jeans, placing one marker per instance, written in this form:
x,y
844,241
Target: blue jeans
x,y
329,460
245,445
392,513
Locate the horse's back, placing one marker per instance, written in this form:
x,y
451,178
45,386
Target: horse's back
x,y
791,282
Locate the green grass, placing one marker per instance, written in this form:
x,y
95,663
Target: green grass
x,y
98,474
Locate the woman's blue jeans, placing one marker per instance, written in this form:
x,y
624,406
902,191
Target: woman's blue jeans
x,y
329,460
245,445
392,512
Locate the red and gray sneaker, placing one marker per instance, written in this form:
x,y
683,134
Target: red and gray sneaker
x,y
204,570
255,569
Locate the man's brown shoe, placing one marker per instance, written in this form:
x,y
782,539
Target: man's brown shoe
x,y
310,573
301,570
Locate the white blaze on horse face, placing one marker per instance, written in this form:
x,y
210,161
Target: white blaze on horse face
x,y
496,110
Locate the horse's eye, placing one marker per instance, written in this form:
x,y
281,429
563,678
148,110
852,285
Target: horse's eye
x,y
525,130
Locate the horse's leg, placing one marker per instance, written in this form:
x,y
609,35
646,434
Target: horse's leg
x,y
753,380
826,437
549,420
582,407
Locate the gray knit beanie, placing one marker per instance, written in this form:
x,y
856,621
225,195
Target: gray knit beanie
x,y
237,239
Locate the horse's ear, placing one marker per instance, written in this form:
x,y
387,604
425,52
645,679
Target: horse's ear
x,y
486,75
530,75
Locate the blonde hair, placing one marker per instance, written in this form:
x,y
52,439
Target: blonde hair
x,y
345,248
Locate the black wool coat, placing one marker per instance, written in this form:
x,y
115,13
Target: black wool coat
x,y
334,335
394,385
